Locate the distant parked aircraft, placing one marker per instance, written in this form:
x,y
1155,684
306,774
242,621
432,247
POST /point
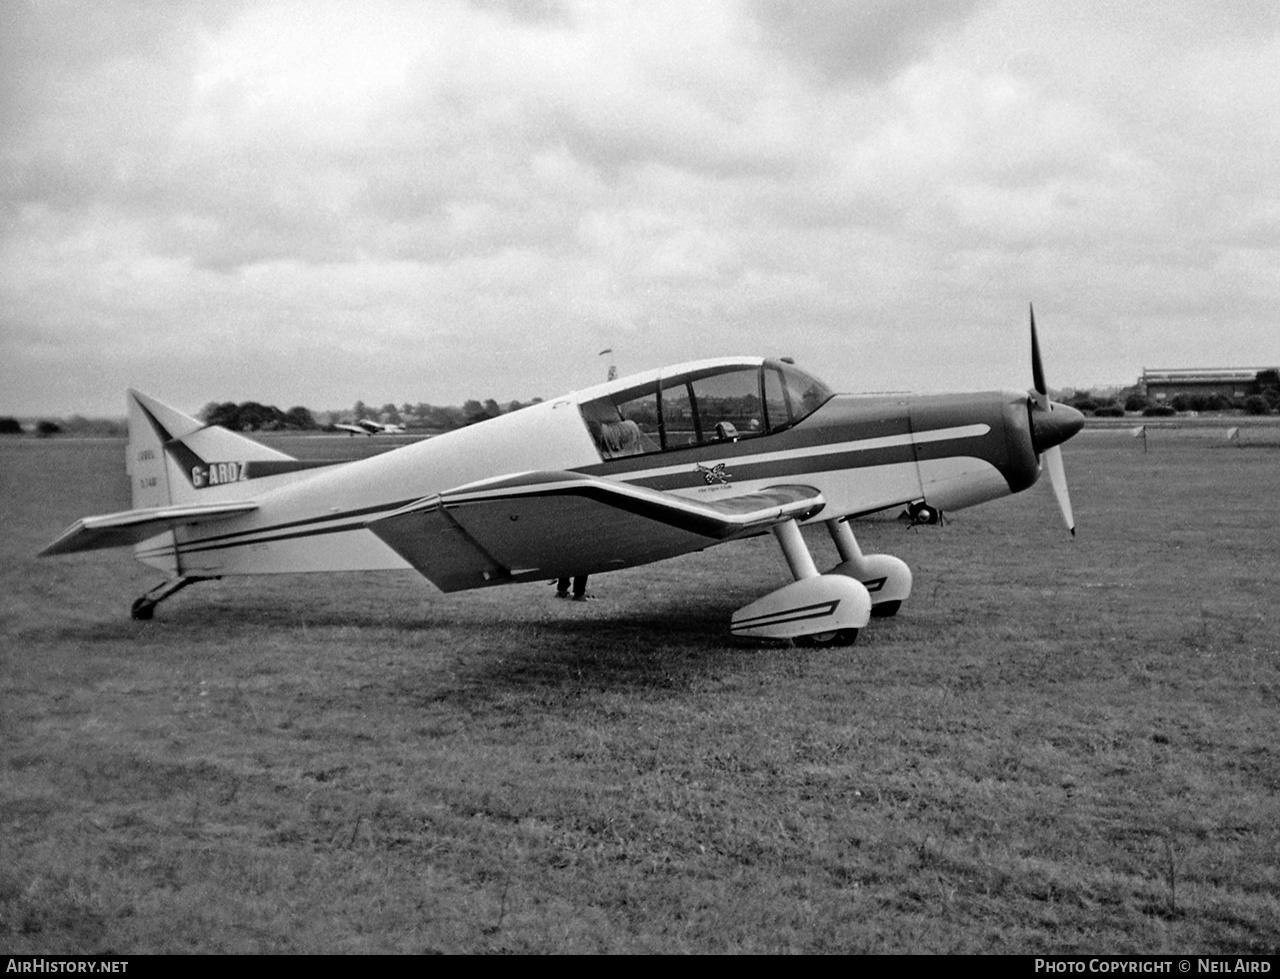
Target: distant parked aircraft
x,y
367,427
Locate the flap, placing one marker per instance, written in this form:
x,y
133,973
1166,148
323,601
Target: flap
x,y
134,526
557,524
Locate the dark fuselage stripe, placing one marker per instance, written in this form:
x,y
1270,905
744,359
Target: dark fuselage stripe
x,y
789,467
263,535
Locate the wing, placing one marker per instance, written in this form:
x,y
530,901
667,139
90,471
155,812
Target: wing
x,y
554,524
134,526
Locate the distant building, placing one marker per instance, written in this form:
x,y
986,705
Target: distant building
x,y
1230,382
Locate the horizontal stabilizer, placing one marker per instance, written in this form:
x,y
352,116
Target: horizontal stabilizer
x,y
552,524
134,526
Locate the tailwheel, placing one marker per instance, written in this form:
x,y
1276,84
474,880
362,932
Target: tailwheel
x,y
145,607
821,640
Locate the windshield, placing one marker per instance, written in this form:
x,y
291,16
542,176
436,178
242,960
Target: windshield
x,y
791,395
722,404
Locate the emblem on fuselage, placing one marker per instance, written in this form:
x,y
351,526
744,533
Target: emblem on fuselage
x,y
714,474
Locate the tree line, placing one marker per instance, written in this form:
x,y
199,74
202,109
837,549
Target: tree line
x,y
251,416
72,425
438,417
1132,400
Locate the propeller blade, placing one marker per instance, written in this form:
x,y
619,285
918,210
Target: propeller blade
x,y
1050,430
1037,366
1058,480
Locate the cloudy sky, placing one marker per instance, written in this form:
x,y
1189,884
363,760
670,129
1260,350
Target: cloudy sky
x,y
314,202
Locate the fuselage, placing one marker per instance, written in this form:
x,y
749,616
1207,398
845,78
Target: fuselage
x,y
694,430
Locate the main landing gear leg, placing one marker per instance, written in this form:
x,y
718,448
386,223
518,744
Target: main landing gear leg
x,y
887,578
795,550
145,607
814,610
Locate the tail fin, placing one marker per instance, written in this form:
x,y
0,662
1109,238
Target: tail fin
x,y
176,459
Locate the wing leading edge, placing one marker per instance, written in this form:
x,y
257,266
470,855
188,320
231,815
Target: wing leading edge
x,y
134,526
552,524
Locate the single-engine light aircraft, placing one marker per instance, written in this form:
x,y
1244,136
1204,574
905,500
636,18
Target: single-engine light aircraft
x,y
366,426
634,470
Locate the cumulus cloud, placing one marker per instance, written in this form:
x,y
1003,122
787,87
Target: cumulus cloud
x,y
870,41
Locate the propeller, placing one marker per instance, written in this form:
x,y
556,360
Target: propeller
x,y
1051,425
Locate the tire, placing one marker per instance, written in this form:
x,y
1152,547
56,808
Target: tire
x,y
885,610
826,640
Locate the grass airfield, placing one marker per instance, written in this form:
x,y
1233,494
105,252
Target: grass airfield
x,y
1058,746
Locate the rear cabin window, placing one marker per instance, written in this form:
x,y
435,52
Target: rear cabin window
x,y
626,423
718,405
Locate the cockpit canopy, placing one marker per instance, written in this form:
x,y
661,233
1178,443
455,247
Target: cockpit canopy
x,y
704,404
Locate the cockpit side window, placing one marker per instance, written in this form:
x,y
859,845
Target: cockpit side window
x,y
727,405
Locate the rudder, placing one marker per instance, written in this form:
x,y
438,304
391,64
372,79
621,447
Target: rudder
x,y
151,426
